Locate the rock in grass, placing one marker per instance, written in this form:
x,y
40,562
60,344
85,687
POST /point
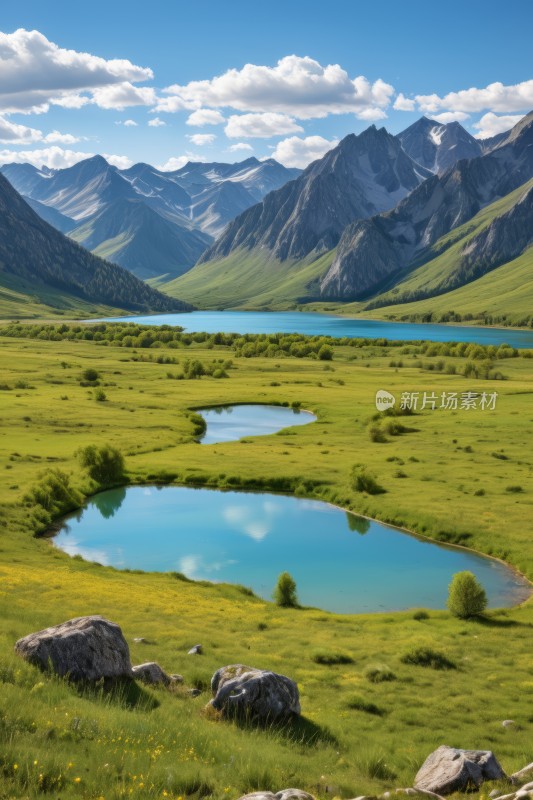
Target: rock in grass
x,y
284,794
151,673
196,650
449,770
522,774
254,694
85,648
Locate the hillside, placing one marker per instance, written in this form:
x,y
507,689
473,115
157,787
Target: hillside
x,y
39,262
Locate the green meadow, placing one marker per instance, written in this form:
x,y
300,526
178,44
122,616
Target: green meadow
x,y
370,715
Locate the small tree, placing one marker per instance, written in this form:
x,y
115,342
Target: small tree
x,y
285,591
104,464
466,597
325,353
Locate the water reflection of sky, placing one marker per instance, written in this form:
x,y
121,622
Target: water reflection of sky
x,y
230,423
340,561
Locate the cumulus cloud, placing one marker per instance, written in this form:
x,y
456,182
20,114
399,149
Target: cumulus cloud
x,y
177,162
156,123
124,95
239,146
298,152
122,162
403,103
298,86
491,124
451,116
495,97
201,139
55,137
205,116
55,157
263,125
11,133
35,72
128,123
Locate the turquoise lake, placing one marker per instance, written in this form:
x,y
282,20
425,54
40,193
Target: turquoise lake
x,y
313,324
230,423
340,562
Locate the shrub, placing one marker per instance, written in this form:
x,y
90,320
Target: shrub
x,y
285,591
363,481
325,353
466,597
105,464
420,615
90,375
358,703
54,494
376,434
100,396
379,673
329,659
426,657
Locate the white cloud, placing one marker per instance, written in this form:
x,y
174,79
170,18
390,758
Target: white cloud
x,y
122,162
372,114
403,103
177,162
12,133
205,116
60,138
495,97
492,124
450,116
128,123
124,95
298,152
234,148
298,86
156,123
35,72
201,139
55,157
263,125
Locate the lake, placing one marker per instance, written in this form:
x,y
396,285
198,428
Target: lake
x,y
340,562
230,423
313,324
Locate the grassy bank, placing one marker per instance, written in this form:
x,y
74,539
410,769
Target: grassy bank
x,y
358,736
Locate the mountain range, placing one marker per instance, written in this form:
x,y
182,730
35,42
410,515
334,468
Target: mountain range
x,y
39,266
154,223
375,210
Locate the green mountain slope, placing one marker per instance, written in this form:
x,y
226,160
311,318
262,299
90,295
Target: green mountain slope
x,y
249,279
38,262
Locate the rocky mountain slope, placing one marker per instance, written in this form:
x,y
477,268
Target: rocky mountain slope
x,y
374,251
438,146
363,175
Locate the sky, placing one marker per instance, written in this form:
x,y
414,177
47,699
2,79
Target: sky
x,y
165,82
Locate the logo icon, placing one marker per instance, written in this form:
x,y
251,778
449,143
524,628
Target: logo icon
x,y
384,400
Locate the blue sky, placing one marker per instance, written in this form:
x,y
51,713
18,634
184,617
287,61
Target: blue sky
x,y
93,76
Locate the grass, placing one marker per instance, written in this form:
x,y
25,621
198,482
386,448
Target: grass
x,y
58,741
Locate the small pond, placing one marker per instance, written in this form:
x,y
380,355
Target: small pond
x,y
340,562
230,423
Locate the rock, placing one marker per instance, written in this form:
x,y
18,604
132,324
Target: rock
x,y
151,673
175,678
140,640
259,796
293,794
522,774
85,648
528,787
508,723
494,793
253,693
450,770
196,650
194,692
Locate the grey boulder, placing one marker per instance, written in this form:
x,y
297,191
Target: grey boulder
x,y
284,794
449,769
254,694
151,673
84,648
